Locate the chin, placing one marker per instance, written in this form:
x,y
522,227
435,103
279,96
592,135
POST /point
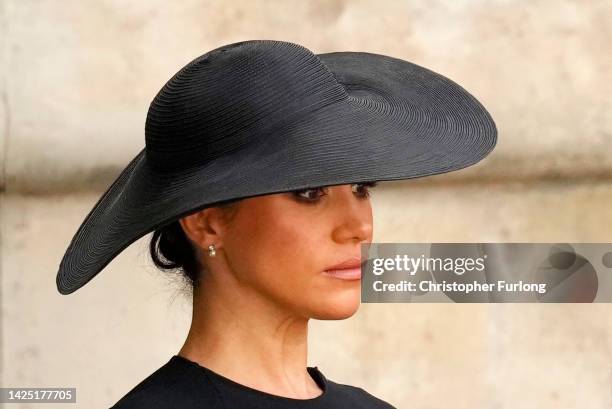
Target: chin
x,y
337,308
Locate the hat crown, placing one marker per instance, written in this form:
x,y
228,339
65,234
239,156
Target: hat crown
x,y
232,96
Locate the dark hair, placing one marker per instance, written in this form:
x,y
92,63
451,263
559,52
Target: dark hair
x,y
171,250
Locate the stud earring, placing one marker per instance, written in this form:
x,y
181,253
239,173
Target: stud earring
x,y
211,250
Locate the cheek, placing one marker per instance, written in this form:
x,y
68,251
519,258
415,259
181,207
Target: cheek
x,y
278,254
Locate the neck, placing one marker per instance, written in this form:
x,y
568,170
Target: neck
x,y
244,336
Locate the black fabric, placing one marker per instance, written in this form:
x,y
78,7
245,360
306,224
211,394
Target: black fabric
x,y
184,384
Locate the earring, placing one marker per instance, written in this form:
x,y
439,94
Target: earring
x,y
211,250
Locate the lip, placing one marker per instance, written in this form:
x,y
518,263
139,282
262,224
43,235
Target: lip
x,y
349,269
352,262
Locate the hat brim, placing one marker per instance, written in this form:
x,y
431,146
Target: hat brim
x,y
400,121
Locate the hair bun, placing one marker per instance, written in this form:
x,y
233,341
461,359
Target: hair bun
x,y
171,250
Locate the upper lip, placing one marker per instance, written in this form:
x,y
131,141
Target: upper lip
x,y
352,262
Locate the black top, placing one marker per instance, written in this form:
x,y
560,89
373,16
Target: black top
x,y
184,384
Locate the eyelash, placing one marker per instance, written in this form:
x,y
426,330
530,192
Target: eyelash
x,y
364,196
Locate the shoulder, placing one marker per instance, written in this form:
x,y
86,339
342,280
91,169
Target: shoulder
x,y
358,397
171,386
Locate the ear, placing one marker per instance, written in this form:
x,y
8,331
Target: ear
x,y
202,228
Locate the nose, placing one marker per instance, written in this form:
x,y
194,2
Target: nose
x,y
353,218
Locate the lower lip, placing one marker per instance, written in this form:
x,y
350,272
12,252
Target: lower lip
x,y
345,273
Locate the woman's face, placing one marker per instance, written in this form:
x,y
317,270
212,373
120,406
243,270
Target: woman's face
x,y
281,244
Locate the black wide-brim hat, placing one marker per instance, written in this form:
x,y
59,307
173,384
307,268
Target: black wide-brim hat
x,y
263,116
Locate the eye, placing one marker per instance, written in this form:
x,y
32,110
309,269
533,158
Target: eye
x,y
310,195
363,189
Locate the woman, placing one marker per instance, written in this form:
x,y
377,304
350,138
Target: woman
x,y
255,180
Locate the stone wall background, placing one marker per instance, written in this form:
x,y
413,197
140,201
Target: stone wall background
x,y
76,81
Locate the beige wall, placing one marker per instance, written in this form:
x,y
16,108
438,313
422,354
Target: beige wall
x,y
77,78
